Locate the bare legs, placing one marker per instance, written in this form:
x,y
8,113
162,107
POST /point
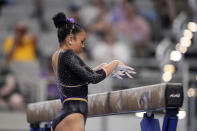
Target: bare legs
x,y
73,122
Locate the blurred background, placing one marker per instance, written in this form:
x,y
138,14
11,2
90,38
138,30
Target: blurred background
x,y
156,37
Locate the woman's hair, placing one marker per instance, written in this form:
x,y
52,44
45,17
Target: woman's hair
x,y
65,26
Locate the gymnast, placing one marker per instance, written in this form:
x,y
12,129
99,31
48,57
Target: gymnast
x,y
73,75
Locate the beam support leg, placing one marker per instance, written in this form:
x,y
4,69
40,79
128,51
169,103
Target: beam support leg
x,y
47,126
170,120
35,127
148,123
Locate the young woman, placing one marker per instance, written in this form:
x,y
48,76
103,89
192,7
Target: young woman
x,y
73,75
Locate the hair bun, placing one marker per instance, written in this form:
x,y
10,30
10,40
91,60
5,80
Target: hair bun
x,y
59,19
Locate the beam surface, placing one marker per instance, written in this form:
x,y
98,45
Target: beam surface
x,y
152,97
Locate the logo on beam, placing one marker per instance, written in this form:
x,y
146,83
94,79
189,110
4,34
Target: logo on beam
x,y
178,95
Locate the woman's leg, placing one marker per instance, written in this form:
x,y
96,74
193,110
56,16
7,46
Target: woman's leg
x,y
73,122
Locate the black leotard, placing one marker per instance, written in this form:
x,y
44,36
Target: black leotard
x,y
73,77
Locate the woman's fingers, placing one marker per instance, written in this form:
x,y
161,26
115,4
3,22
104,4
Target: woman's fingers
x,y
120,73
123,70
131,72
119,77
128,75
116,76
130,68
125,67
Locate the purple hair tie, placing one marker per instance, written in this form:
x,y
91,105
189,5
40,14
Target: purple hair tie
x,y
71,20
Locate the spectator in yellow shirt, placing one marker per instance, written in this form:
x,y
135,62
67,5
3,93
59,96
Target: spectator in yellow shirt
x,y
21,46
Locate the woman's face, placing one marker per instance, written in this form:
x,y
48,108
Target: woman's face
x,y
78,42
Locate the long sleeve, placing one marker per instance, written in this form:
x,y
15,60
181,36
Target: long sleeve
x,y
81,70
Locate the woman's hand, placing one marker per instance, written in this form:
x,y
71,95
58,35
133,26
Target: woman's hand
x,y
117,69
99,66
121,63
123,70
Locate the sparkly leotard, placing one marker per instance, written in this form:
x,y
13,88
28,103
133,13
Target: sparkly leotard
x,y
73,77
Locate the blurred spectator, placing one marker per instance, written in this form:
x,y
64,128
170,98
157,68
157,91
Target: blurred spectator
x,y
117,12
10,95
109,49
38,9
50,81
74,12
21,55
78,3
39,14
96,12
96,22
133,28
166,10
2,2
192,5
21,46
5,2
100,24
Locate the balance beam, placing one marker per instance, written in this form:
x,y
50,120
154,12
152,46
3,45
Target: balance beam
x,y
146,98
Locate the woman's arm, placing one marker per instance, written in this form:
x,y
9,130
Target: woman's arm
x,y
109,68
84,72
99,66
80,69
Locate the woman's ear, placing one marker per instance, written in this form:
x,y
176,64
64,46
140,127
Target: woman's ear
x,y
69,39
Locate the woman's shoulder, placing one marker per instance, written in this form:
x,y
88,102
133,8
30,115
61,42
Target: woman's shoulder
x,y
68,53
